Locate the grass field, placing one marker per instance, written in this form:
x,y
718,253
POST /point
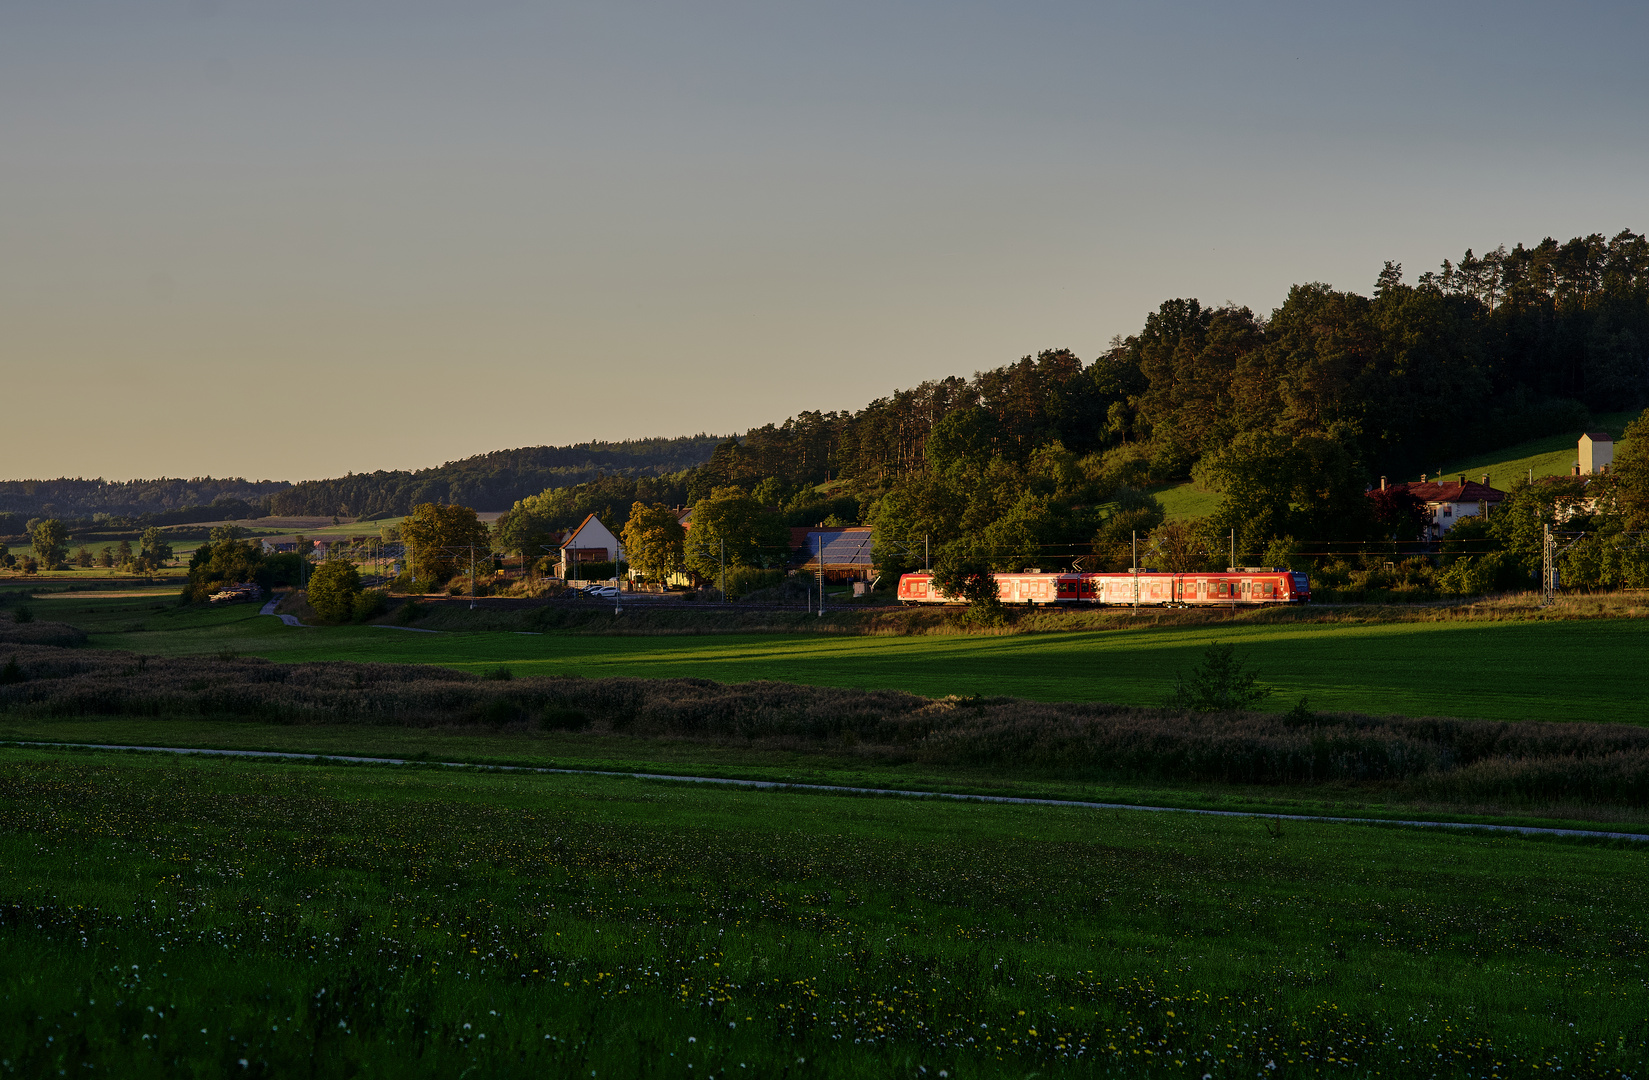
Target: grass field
x,y
607,752
1509,670
165,917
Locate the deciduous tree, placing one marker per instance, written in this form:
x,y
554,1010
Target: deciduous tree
x,y
159,552
333,589
653,539
443,539
730,524
50,541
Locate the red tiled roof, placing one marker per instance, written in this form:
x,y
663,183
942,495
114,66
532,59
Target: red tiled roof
x,y
1451,492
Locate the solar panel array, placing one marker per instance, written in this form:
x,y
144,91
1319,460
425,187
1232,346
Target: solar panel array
x,y
841,547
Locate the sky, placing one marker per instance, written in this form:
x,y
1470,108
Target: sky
x,y
302,239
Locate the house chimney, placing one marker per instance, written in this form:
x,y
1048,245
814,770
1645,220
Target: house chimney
x,y
1577,469
1382,483
1462,480
1485,479
1422,478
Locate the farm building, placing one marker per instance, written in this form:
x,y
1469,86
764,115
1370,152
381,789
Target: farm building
x,y
591,542
1596,453
845,550
1447,502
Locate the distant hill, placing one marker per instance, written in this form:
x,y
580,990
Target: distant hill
x,y
492,481
173,499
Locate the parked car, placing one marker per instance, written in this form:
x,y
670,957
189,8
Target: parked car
x,y
604,591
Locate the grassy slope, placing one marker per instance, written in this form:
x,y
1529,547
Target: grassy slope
x,y
1490,670
384,920
1550,456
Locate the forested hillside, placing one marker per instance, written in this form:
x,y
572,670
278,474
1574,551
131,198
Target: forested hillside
x,y
133,499
493,481
1290,415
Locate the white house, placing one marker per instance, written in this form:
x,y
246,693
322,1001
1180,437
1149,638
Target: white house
x,y
1597,452
590,542
1448,503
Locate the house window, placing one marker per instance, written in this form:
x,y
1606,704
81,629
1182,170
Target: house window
x,y
1448,509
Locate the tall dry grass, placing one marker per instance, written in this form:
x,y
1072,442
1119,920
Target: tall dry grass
x,y
1435,758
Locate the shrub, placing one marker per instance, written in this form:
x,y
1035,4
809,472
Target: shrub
x,y
333,589
1218,684
409,611
369,605
22,615
563,720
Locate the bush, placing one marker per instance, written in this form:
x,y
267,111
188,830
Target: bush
x,y
600,571
286,568
410,611
369,605
1218,684
333,589
22,615
744,580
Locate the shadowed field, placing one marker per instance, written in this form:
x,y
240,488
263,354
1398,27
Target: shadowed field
x,y
161,917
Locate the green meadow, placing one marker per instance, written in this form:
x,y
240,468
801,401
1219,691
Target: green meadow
x,y
165,917
1496,670
1552,455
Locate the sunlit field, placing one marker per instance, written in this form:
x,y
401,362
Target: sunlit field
x,y
166,917
1509,670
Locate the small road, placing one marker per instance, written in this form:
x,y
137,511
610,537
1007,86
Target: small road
x,y
269,609
1522,830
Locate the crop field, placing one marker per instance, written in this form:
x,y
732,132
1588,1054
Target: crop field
x,y
161,917
1509,670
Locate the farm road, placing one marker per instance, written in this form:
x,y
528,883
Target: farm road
x,y
1525,830
269,609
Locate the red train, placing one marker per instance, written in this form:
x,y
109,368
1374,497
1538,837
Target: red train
x,y
1248,585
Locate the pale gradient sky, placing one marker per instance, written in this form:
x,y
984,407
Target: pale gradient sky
x,y
297,239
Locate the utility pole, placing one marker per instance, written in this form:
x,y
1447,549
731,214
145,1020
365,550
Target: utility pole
x,y
1233,569
821,575
472,577
1548,569
722,569
618,582
1136,571
927,565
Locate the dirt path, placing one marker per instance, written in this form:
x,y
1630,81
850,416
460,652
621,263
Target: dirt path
x,y
1524,830
269,609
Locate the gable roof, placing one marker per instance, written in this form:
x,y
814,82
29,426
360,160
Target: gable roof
x,y
1452,492
1597,436
567,540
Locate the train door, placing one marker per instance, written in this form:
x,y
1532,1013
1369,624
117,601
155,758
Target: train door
x,y
1202,588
